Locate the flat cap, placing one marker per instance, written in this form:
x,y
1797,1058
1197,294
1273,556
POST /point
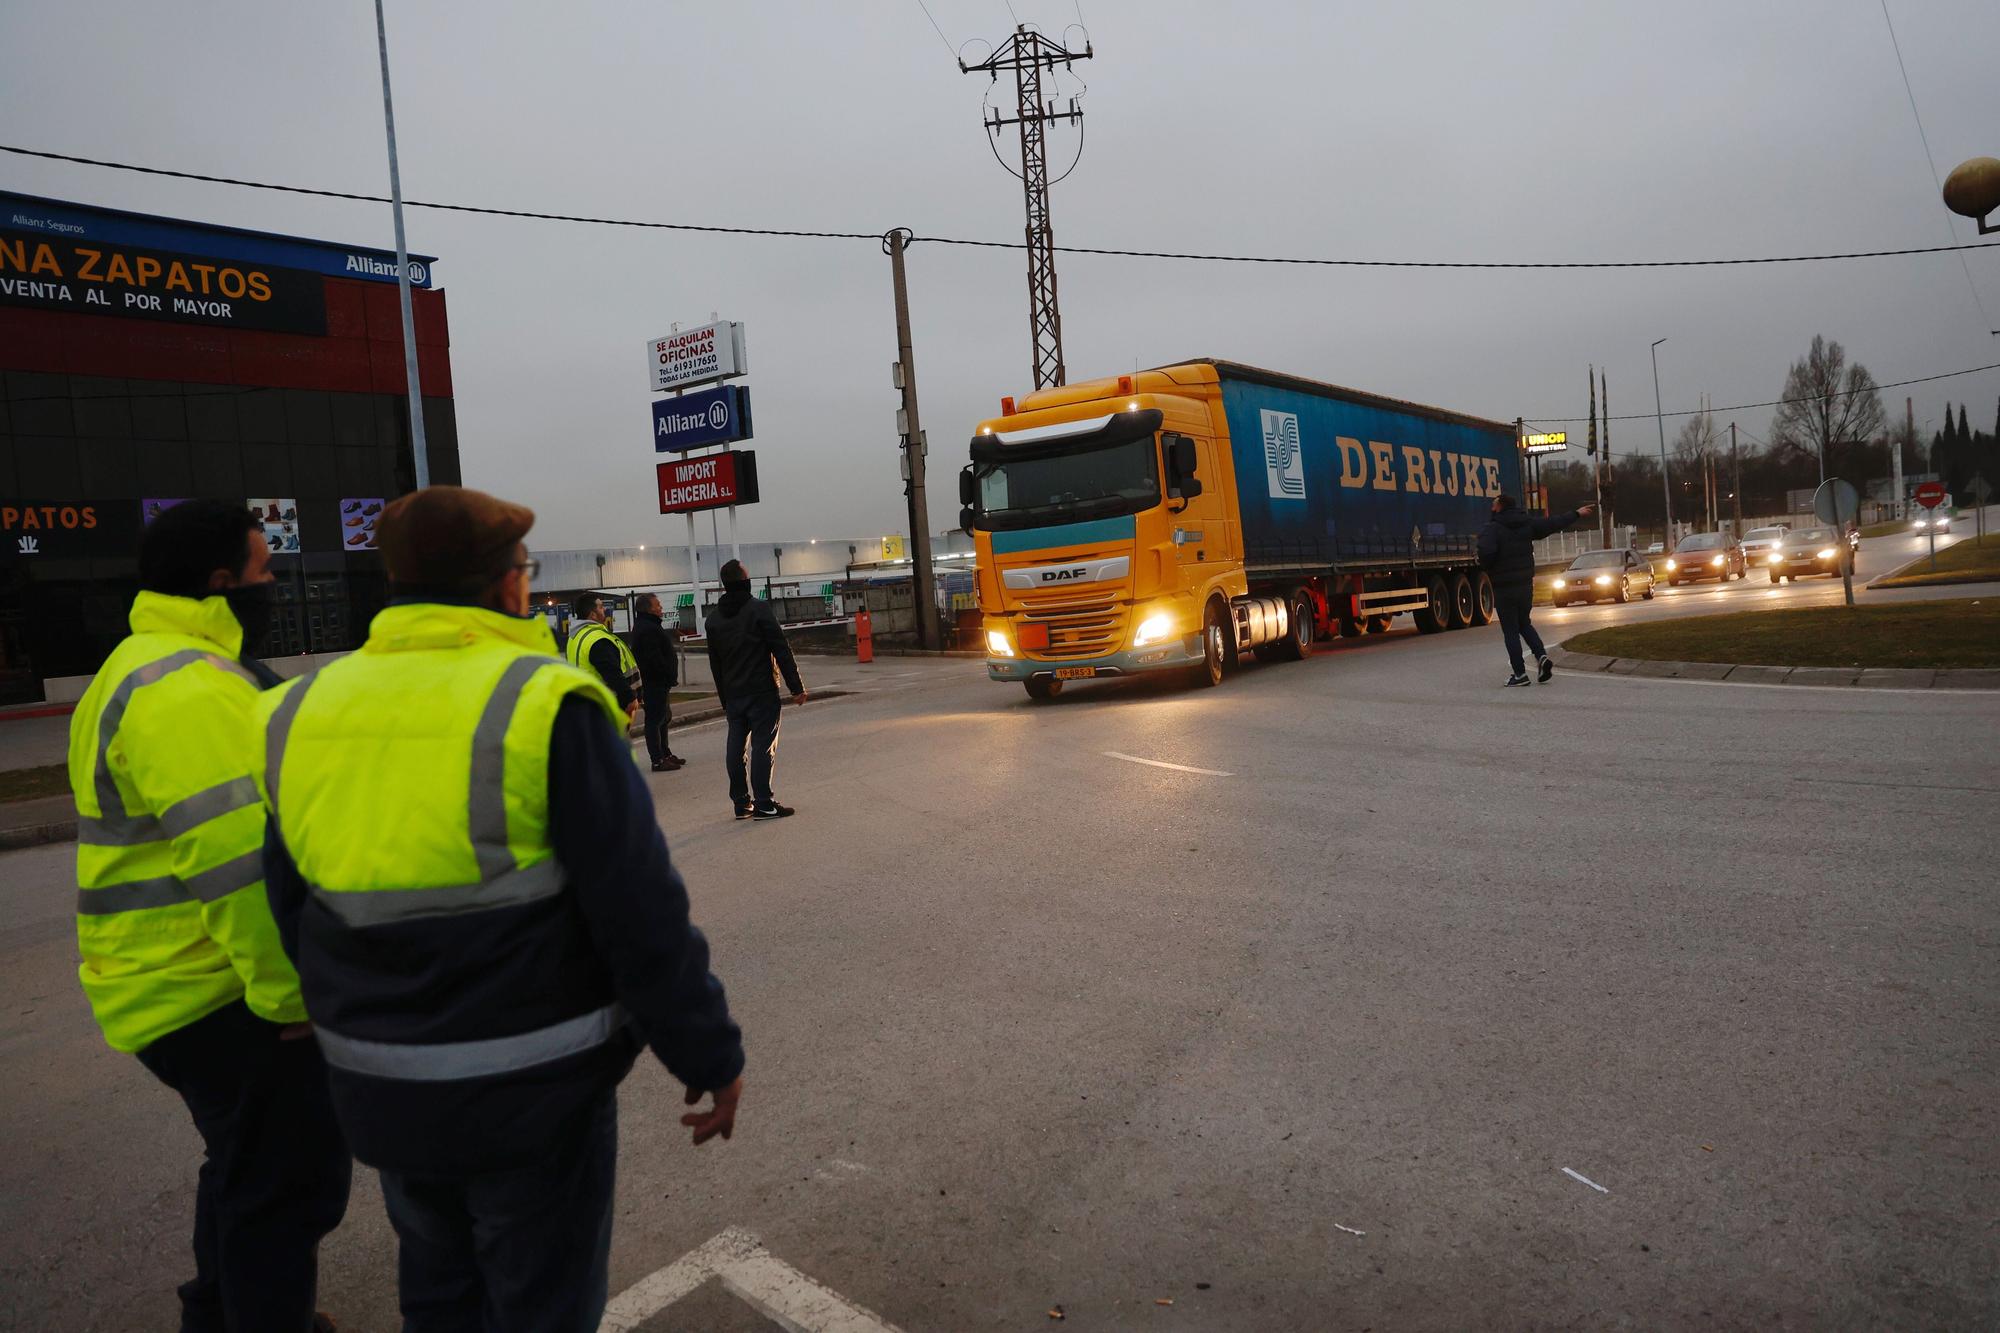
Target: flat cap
x,y
449,536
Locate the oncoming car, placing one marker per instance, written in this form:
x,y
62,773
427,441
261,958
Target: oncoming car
x,y
1807,551
1594,574
1706,555
1758,543
1932,520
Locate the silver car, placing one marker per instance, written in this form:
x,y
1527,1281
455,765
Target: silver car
x,y
1758,543
1618,575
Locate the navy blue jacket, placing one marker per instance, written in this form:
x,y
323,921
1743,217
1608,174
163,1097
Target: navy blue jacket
x,y
619,931
1507,544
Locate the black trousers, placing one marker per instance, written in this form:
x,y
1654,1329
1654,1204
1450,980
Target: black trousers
x,y
274,1173
753,726
520,1251
1516,606
653,698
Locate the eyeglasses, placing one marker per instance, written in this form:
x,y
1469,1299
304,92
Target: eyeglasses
x,y
531,565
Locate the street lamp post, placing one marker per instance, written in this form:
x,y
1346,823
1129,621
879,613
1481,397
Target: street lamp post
x,y
1660,421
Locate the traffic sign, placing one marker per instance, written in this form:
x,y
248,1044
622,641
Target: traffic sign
x,y
1836,501
1931,494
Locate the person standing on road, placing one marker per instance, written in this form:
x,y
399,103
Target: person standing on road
x,y
466,866
592,645
747,652
1507,554
181,958
659,672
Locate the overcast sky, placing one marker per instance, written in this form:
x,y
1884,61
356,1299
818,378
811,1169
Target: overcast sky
x,y
1518,131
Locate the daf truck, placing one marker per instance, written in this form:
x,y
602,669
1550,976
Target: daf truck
x,y
1176,519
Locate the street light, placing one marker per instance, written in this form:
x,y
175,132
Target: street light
x,y
1660,421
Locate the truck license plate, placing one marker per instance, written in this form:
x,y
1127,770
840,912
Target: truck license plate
x,y
1075,673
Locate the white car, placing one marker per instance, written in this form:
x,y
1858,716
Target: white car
x,y
1759,543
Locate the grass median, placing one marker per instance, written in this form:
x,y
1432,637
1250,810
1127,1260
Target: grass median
x,y
1974,560
1954,635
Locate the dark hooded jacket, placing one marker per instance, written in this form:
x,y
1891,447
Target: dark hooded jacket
x,y
747,649
1507,544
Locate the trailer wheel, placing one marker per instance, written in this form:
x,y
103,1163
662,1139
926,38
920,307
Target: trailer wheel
x,y
1461,601
1435,618
1215,652
1378,624
1042,688
1298,645
1483,610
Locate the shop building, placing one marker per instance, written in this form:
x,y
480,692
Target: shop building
x,y
147,360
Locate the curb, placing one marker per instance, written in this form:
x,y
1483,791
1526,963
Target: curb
x,y
1894,678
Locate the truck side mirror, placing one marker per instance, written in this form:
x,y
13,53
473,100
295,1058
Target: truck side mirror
x,y
967,487
1181,465
965,517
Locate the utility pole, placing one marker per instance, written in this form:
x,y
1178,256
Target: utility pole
x,y
1666,486
1604,463
1028,53
911,429
1896,458
419,454
1597,464
1736,483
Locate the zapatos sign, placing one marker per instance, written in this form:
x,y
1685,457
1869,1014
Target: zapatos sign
x,y
134,282
58,528
716,481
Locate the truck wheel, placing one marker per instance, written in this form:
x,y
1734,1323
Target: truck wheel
x,y
1435,617
1298,645
1042,688
1214,645
1461,601
1378,624
1483,611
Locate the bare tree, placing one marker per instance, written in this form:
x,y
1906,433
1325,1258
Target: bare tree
x,y
1827,403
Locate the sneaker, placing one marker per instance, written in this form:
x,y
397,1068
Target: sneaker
x,y
675,761
1548,670
662,766
743,811
1521,679
772,811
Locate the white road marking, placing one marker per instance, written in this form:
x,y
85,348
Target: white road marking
x,y
773,1287
1161,763
1586,1180
1349,1230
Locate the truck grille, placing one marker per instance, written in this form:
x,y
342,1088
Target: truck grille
x,y
1088,625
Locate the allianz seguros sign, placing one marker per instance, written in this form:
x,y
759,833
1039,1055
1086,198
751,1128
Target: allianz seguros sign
x,y
720,415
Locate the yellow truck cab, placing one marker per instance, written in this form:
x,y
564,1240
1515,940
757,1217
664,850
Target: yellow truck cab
x,y
1172,518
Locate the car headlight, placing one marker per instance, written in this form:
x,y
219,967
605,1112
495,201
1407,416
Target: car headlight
x,y
1603,580
997,645
1671,566
1155,628
1776,555
1717,562
1828,554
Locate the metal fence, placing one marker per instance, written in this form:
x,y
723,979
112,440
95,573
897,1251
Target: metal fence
x,y
1565,546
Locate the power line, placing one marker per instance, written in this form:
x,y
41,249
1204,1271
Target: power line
x,y
1779,402
876,236
940,31
1951,228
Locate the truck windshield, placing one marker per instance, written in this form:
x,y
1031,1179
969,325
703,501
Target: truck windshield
x,y
1088,483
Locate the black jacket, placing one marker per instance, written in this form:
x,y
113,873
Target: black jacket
x,y
604,660
1507,544
619,931
747,649
659,668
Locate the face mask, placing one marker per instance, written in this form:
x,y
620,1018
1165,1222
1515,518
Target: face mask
x,y
252,604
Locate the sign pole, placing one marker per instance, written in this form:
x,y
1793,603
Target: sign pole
x,y
419,453
694,571
735,548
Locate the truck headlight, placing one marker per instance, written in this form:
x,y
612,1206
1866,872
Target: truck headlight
x,y
1155,628
997,645
1603,580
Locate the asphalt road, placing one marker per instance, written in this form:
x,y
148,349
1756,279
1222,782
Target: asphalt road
x,y
1316,1019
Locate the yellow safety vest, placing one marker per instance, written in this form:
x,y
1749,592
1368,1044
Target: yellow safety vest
x,y
172,922
578,650
410,780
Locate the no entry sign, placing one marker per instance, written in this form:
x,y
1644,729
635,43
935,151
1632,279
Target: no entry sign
x,y
715,481
1931,494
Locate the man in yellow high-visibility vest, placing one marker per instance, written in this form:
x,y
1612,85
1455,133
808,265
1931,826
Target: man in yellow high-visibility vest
x,y
593,646
466,866
181,959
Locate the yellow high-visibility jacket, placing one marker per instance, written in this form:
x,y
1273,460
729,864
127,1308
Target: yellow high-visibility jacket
x,y
577,650
172,921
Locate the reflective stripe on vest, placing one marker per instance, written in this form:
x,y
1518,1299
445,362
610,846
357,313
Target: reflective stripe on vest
x,y
114,826
440,1062
503,881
